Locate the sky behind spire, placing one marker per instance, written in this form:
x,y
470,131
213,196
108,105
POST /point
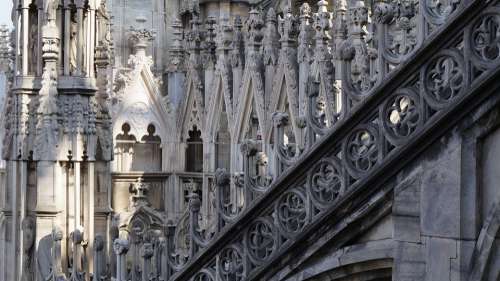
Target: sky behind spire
x,y
5,10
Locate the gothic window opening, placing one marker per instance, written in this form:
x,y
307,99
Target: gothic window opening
x,y
133,155
124,150
253,130
194,151
223,142
148,152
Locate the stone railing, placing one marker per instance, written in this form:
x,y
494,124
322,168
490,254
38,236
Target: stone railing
x,y
395,99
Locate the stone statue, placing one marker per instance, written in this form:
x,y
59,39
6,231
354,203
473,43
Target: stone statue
x,y
28,227
73,47
50,8
103,24
33,41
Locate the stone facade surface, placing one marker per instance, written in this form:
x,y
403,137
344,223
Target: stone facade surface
x,y
198,140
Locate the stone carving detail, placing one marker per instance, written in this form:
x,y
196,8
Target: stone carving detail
x,y
484,38
261,240
120,247
437,11
326,182
99,258
444,79
29,233
231,265
204,275
361,76
291,212
401,115
398,24
361,150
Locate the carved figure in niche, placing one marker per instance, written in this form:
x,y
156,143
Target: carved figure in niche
x,y
50,9
104,19
73,47
33,39
28,227
44,258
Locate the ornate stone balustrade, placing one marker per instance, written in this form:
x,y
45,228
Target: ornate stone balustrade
x,y
395,100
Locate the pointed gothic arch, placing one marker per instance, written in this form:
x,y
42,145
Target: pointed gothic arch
x,y
252,99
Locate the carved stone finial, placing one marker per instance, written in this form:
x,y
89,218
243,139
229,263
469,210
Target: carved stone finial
x,y
120,246
140,190
194,36
147,251
288,27
224,35
176,49
253,28
140,39
323,24
250,147
208,45
271,39
98,243
222,177
280,119
304,51
194,202
77,236
237,55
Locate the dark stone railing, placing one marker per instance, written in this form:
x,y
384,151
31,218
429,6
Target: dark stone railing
x,y
385,122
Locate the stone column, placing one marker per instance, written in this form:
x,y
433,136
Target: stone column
x,y
25,36
57,236
99,261
77,239
237,61
146,254
121,247
304,54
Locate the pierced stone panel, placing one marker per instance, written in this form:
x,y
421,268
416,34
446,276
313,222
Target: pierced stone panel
x,y
361,150
444,78
292,212
484,40
231,266
401,115
326,181
261,240
438,11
